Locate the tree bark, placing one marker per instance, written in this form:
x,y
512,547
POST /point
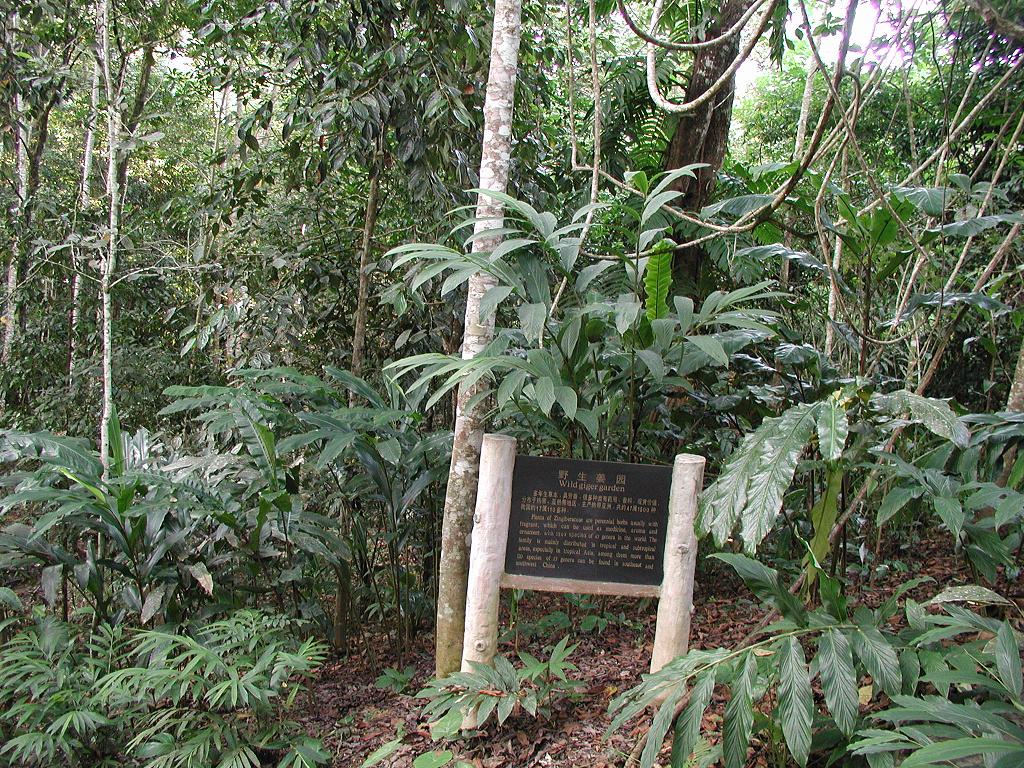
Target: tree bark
x,y
17,220
84,200
798,150
1015,400
113,115
460,496
701,136
362,298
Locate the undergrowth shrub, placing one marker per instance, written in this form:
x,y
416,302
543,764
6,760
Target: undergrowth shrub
x,y
159,698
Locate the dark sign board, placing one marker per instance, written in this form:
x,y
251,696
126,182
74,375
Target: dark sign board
x,y
588,520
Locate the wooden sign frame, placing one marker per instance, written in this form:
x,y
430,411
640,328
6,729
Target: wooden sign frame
x,y
490,538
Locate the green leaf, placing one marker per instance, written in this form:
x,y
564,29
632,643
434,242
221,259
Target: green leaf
x,y
684,311
931,201
739,714
711,347
115,444
657,281
945,752
1008,659
544,390
71,453
969,593
687,732
653,203
823,517
951,513
383,752
433,759
659,727
894,501
532,318
838,679
10,598
749,490
879,659
935,415
765,583
796,700
833,429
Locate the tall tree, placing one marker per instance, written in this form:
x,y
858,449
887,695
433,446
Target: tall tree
x,y
478,332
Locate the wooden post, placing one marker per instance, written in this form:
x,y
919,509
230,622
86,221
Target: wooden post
x,y
487,553
672,632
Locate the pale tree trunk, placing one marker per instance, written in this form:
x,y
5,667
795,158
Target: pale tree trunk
x,y
17,219
84,199
837,262
479,331
798,151
113,115
1015,400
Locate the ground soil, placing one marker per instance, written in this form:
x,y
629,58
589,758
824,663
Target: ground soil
x,y
354,717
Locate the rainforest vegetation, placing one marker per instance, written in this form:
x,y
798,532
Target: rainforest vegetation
x,y
272,268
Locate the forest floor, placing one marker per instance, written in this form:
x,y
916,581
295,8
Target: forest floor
x,y
354,718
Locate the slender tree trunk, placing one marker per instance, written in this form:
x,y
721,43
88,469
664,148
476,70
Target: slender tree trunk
x,y
837,262
798,150
17,219
362,299
1015,400
479,331
113,115
343,596
84,199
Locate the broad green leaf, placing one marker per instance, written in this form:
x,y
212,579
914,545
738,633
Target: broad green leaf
x,y
383,752
711,347
1008,659
433,759
838,679
935,415
749,490
766,584
951,513
544,390
894,501
657,281
833,428
879,659
931,201
946,752
659,727
531,319
739,714
653,203
823,517
796,700
687,732
969,593
684,311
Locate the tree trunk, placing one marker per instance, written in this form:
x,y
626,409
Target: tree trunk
x,y
343,596
1015,400
17,222
369,223
460,496
113,115
84,199
798,150
701,136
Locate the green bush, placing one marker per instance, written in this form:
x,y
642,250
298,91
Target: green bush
x,y
159,699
